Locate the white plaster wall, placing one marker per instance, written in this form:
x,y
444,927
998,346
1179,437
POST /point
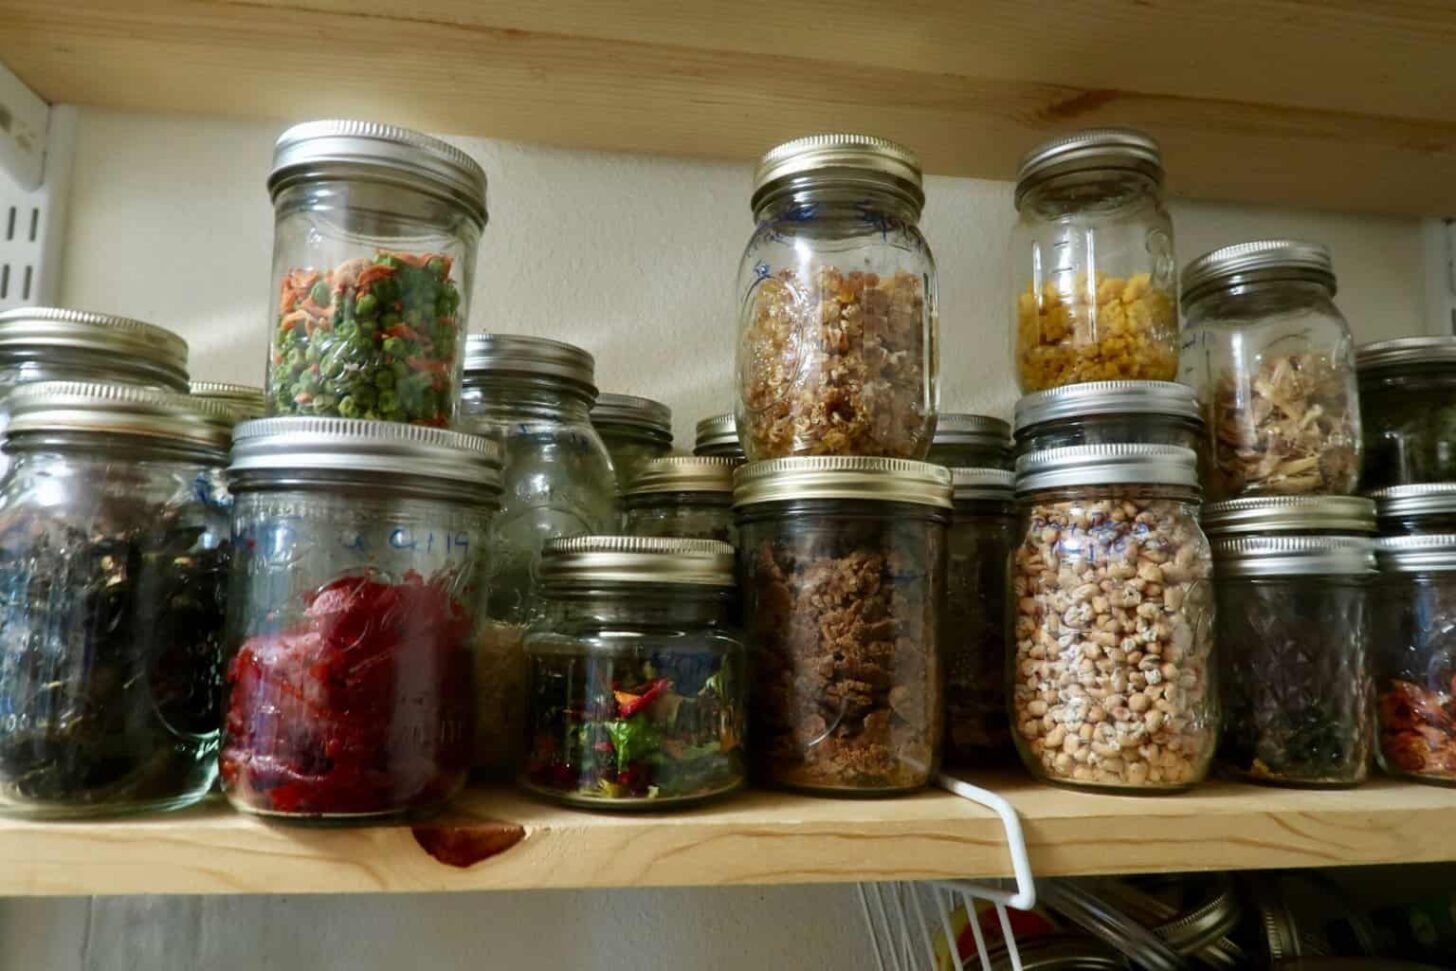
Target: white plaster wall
x,y
635,259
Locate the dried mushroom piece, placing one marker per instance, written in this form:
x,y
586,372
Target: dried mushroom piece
x,y
1126,329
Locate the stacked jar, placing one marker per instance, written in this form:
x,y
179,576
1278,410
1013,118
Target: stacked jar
x,y
635,430
688,496
964,441
1408,402
717,437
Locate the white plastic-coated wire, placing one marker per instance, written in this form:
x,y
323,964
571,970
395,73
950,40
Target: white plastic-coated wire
x,y
1025,896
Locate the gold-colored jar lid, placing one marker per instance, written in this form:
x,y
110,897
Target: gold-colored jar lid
x,y
684,473
1288,514
576,560
842,477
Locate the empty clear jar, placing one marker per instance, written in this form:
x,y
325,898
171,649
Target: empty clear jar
x,y
717,437
1092,262
1274,366
636,680
1408,410
971,442
688,496
1110,413
374,241
1294,644
113,570
837,331
356,601
843,566
1416,509
635,430
975,622
1111,671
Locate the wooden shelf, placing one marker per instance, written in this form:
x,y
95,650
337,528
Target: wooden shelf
x,y
757,838
1344,104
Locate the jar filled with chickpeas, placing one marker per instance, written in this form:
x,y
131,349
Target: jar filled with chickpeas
x,y
1092,263
1111,681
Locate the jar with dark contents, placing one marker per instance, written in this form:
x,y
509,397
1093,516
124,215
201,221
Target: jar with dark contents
x,y
688,496
636,680
51,344
113,573
717,437
1408,411
236,403
1111,668
635,431
1294,643
1415,657
976,620
843,571
1110,413
965,441
532,396
361,553
1409,510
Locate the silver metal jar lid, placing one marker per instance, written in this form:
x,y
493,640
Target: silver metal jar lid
x,y
1091,150
1289,514
117,409
303,150
684,473
1421,499
1107,398
971,484
1095,466
1279,556
629,412
636,559
487,355
242,401
1416,554
1258,261
717,435
837,159
967,429
1405,351
35,330
276,447
842,477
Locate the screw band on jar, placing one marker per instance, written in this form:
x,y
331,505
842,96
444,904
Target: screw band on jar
x,y
1289,514
117,409
130,347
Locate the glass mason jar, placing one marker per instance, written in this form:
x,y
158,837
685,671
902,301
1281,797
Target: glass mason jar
x,y
971,442
636,680
51,344
1110,413
717,437
1294,642
1408,409
1414,657
975,621
843,571
534,397
374,240
1111,675
1274,366
237,403
1413,509
113,571
1092,263
683,495
837,327
635,430
359,570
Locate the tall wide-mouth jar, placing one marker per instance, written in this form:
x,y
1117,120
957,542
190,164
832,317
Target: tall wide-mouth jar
x,y
635,430
965,441
357,597
1294,643
1408,411
636,679
111,630
1112,685
837,321
374,241
843,567
690,496
1092,263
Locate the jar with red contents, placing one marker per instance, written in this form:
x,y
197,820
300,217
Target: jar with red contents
x,y
355,603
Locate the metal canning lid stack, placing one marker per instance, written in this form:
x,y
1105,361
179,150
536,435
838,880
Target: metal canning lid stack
x,y
242,401
842,477
577,560
28,333
1289,514
1260,261
1092,150
492,355
972,484
1096,466
684,473
630,415
835,160
1106,398
117,409
1270,556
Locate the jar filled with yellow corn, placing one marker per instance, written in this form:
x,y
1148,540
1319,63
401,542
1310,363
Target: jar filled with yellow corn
x,y
1092,263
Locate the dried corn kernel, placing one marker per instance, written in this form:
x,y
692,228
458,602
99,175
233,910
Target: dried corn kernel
x,y
1129,330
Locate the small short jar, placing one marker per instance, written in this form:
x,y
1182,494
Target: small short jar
x,y
1408,410
843,566
683,495
1274,365
976,619
635,678
1111,667
965,441
111,630
635,431
374,240
1294,642
1409,510
717,437
1092,262
360,553
1110,413
1415,657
